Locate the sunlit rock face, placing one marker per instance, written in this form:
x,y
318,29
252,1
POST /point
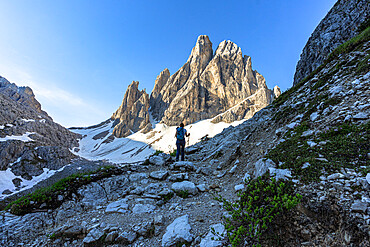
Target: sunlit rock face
x,y
133,113
209,84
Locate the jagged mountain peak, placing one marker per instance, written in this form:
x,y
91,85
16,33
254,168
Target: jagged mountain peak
x,y
23,95
207,85
200,56
133,113
228,48
202,47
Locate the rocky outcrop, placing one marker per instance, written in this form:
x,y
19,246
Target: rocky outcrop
x,y
30,141
227,80
22,95
133,114
338,26
156,103
247,108
208,85
277,92
162,97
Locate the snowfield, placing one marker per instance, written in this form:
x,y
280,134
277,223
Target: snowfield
x,y
7,176
99,144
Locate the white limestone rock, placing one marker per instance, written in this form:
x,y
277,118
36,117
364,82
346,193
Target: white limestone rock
x,y
239,187
160,175
177,232
314,116
307,133
143,208
212,239
361,116
120,206
157,160
185,186
335,176
359,207
93,236
262,166
278,174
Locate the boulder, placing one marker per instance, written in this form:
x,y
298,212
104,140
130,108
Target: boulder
x,y
262,166
160,175
185,186
143,208
279,174
184,166
215,236
120,206
157,160
93,236
359,207
126,237
111,237
177,232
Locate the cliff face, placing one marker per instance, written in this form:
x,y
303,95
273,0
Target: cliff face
x,y
339,25
212,85
163,96
133,113
22,95
207,85
29,139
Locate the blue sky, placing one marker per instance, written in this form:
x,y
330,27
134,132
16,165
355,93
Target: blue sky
x,y
80,56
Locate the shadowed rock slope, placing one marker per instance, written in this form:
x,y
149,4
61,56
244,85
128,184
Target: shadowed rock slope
x,y
341,23
30,141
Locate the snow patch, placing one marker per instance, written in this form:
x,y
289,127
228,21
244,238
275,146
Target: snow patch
x,y
139,146
7,176
24,138
28,120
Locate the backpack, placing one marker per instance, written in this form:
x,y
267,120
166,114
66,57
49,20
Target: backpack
x,y
180,133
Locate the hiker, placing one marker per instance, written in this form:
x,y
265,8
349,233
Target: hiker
x,y
181,133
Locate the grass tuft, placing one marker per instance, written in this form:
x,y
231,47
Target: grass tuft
x,y
65,187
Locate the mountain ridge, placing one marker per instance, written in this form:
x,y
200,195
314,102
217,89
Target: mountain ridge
x,y
208,84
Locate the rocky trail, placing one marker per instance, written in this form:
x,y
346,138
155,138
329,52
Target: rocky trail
x,y
315,137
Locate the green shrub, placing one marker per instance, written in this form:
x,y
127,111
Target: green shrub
x,y
262,202
167,197
173,153
345,145
66,187
158,152
364,65
182,193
